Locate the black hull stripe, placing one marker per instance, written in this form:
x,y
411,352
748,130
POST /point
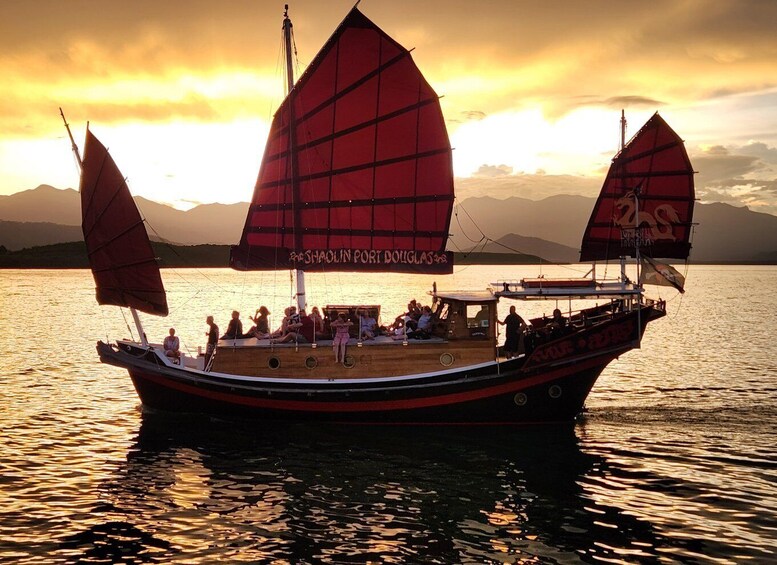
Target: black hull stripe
x,y
448,399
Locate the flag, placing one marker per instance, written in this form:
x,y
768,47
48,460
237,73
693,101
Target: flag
x,y
660,274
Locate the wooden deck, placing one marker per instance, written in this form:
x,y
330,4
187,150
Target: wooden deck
x,y
381,357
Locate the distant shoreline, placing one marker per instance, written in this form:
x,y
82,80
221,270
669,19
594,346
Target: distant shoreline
x,y
73,256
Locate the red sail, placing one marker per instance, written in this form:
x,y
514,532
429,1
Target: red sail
x,y
654,168
123,264
363,178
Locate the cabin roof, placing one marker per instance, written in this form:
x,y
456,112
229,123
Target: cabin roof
x,y
480,296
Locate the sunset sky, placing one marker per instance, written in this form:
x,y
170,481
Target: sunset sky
x,y
182,92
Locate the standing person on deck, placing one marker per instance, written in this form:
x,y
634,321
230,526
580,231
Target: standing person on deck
x,y
340,325
213,337
513,332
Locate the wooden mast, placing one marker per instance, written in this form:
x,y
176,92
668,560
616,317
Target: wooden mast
x,y
623,145
295,200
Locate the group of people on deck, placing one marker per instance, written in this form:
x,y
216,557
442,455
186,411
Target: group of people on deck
x,y
416,323
303,328
308,328
295,326
517,330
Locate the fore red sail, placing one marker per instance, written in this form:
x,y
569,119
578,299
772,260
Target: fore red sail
x,y
122,260
357,172
647,199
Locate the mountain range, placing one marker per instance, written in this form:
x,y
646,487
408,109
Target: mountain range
x,y
550,228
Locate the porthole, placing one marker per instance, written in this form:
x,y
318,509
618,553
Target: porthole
x,y
273,363
349,361
520,399
554,391
311,362
446,359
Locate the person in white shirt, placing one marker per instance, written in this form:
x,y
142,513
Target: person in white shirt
x,y
172,345
368,325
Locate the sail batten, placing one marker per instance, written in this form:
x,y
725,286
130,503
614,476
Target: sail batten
x,y
368,124
341,94
131,265
115,238
645,206
368,166
354,203
357,163
120,254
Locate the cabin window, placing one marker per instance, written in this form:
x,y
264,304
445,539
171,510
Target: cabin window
x,y
478,316
459,320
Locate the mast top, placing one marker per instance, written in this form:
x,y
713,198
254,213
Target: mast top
x,y
623,129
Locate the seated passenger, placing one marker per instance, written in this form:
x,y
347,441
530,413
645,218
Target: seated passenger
x,y
558,324
235,327
424,326
368,326
398,329
261,329
482,316
287,319
172,345
318,323
300,332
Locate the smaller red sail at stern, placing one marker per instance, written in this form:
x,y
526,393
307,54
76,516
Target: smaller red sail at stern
x,y
646,201
125,269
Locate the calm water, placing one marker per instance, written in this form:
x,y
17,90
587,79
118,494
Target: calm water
x,y
673,462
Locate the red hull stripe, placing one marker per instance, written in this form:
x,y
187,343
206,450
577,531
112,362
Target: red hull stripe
x,y
376,405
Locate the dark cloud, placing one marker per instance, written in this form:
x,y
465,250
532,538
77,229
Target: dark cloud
x,y
475,115
491,171
531,186
753,186
760,150
617,102
467,116
632,101
738,175
717,164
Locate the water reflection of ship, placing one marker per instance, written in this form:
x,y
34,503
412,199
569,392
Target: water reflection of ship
x,y
199,488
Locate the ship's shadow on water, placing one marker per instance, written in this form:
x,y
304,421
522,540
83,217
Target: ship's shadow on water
x,y
197,489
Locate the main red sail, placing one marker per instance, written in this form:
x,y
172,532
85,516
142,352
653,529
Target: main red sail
x,y
357,172
122,260
647,199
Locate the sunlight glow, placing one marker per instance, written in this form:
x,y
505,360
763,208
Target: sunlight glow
x,y
185,163
581,142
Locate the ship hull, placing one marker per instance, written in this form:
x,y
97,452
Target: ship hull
x,y
477,398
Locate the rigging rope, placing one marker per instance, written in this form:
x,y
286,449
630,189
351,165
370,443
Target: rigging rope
x,y
485,240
